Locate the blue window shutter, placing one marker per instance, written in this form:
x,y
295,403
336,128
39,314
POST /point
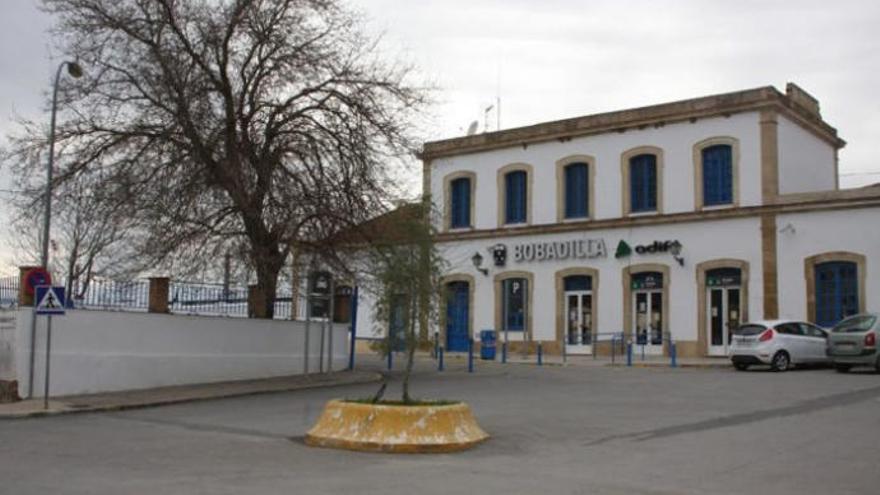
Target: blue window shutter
x,y
643,183
516,197
635,185
717,175
837,292
576,190
461,203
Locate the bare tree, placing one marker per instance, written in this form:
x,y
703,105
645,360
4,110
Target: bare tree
x,y
90,236
273,122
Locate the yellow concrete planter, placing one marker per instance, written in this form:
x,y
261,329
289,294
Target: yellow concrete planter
x,y
396,428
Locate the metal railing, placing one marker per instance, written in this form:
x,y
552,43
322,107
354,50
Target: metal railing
x,y
207,299
106,294
8,292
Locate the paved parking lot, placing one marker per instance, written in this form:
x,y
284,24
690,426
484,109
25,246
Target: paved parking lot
x,y
596,430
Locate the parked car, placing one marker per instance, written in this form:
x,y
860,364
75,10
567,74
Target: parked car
x,y
853,342
778,343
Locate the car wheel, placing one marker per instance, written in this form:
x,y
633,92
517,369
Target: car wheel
x,y
741,366
842,368
781,361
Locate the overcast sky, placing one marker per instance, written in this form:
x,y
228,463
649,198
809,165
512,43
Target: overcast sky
x,y
555,59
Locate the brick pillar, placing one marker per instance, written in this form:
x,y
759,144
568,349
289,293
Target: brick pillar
x,y
159,288
9,391
24,299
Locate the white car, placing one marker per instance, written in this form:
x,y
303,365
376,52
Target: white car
x,y
778,343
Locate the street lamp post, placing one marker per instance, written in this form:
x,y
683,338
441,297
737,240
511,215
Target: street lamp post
x,y
76,72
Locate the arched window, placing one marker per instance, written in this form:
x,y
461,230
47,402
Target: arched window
x,y
717,175
643,183
577,190
515,187
460,207
837,291
514,309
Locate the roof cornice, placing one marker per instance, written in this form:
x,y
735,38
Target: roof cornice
x,y
726,104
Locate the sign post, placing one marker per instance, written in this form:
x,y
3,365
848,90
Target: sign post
x,y
32,278
48,301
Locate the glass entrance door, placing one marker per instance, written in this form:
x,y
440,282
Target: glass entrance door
x,y
724,316
648,321
578,322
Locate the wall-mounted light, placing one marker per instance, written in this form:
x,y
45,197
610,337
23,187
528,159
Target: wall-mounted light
x,y
477,258
675,249
788,229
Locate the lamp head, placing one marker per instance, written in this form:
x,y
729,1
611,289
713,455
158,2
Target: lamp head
x,y
477,259
75,70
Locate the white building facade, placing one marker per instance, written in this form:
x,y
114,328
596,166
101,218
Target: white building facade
x,y
674,222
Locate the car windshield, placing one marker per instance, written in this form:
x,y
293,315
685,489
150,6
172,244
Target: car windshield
x,y
749,330
855,324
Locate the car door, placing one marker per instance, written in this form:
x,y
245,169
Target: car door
x,y
817,339
794,341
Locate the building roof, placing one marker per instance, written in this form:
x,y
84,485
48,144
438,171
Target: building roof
x,y
391,226
795,103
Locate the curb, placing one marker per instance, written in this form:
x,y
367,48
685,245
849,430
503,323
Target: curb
x,y
702,366
368,377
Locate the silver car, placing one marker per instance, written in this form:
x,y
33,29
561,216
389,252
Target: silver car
x,y
778,343
853,342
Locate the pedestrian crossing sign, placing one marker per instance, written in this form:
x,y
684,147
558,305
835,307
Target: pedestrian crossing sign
x,y
50,300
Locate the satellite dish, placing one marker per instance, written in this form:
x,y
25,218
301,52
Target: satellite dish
x,y
472,129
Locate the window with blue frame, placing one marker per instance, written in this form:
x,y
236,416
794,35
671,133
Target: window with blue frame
x,y
514,304
460,209
837,292
577,190
515,197
717,175
643,183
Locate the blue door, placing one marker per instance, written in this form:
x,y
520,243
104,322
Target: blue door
x,y
457,330
837,292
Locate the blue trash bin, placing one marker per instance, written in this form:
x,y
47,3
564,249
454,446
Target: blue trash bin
x,y
487,345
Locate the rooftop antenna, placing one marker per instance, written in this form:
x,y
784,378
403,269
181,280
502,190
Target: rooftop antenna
x,y
472,129
486,117
498,97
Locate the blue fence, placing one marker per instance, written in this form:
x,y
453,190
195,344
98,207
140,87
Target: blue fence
x,y
8,291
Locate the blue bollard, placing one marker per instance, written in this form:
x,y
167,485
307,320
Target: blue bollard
x,y
440,358
672,354
390,359
504,353
613,348
629,354
470,355
436,344
540,354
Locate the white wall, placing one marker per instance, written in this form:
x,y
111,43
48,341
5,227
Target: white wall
x,y
701,241
677,141
7,344
852,230
806,163
101,351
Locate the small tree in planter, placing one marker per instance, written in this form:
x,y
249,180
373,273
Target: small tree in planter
x,y
406,270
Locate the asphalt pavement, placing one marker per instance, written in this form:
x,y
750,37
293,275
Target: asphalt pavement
x,y
555,429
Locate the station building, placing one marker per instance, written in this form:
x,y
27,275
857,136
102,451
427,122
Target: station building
x,y
676,222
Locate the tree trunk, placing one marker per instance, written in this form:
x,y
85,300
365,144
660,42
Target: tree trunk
x,y
412,343
267,268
